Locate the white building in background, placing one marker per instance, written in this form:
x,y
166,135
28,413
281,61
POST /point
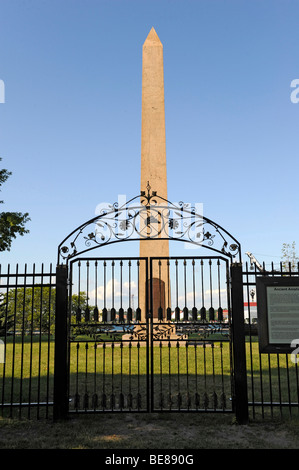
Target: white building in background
x,y
250,312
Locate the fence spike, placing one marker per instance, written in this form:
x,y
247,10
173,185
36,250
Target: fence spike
x,y
205,401
95,401
179,398
130,400
139,401
104,400
112,401
215,400
85,401
87,314
223,400
96,314
77,401
121,400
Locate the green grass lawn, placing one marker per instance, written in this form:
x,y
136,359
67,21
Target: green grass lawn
x,y
183,378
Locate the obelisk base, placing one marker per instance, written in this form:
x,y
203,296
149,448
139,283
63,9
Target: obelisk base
x,y
164,334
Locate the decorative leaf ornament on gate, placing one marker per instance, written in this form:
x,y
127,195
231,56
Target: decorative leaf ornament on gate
x,y
148,216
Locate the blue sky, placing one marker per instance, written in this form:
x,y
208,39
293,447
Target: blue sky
x,y
70,127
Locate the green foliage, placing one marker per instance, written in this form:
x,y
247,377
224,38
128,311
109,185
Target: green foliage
x,y
32,308
289,256
79,301
6,321
4,175
27,309
11,223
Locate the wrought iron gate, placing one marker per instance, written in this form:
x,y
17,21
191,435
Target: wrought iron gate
x,y
191,355
108,336
173,347
169,351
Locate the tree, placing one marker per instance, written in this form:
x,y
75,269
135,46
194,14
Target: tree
x,y
289,257
6,321
29,309
80,305
32,308
11,223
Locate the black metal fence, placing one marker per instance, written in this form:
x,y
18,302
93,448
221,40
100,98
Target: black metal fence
x,y
191,357
27,321
272,379
108,336
180,358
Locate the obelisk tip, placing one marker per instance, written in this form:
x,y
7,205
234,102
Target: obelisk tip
x,y
153,38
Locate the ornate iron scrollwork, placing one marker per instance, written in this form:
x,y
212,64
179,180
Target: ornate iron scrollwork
x,y
153,218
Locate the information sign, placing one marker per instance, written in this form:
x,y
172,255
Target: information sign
x,y
278,313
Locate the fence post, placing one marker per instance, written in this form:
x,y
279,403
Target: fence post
x,y
61,351
239,352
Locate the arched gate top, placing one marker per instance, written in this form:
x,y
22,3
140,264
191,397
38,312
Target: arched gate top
x,y
148,216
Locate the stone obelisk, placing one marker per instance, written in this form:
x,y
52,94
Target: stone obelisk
x,y
153,163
